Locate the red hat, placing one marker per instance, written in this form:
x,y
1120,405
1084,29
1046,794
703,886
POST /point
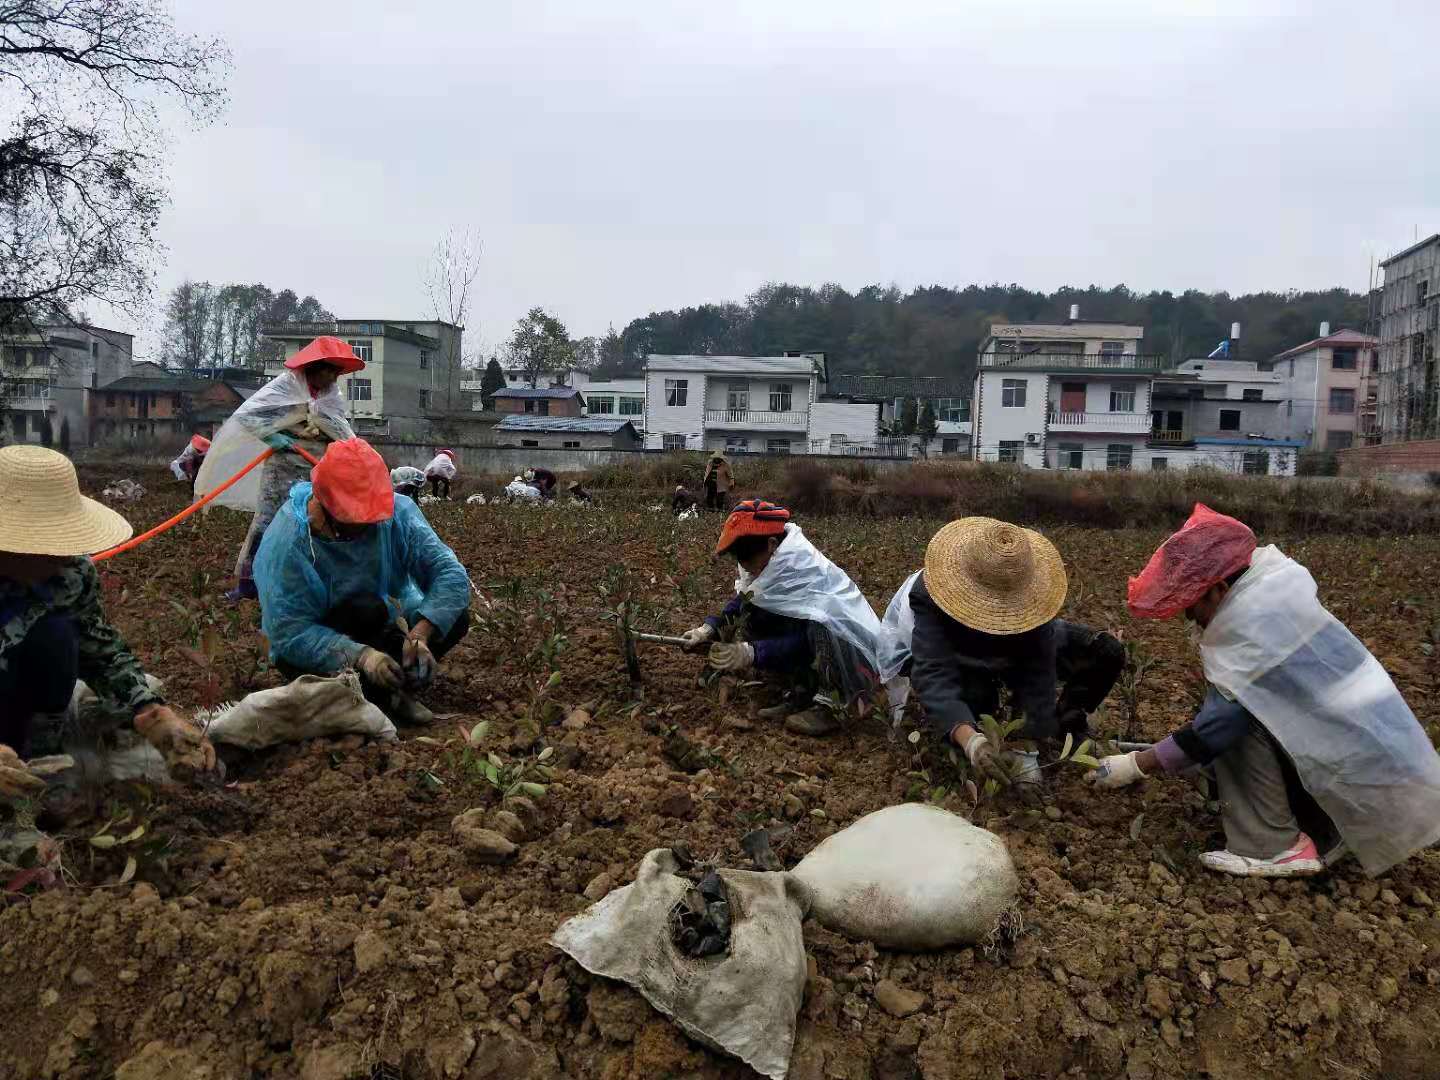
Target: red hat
x,y
327,350
753,517
448,453
1207,550
200,444
353,484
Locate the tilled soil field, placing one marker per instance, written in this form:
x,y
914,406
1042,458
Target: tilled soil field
x,y
317,919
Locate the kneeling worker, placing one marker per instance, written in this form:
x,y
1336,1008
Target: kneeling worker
x,y
1314,750
339,569
984,612
805,619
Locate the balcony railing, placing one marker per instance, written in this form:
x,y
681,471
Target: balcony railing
x,y
1133,423
1101,362
29,403
1173,437
792,420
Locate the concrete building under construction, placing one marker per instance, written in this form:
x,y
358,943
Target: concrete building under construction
x,y
1409,396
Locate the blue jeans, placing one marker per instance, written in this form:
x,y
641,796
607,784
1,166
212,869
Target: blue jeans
x,y
39,677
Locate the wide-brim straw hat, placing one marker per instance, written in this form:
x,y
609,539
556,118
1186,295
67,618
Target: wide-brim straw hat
x,y
993,576
42,511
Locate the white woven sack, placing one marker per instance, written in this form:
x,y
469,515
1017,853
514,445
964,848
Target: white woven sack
x,y
311,707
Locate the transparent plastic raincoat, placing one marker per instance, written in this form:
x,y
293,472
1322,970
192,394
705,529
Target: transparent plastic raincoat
x,y
1356,746
301,578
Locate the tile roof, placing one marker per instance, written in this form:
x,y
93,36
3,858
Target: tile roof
x,y
603,424
551,392
733,365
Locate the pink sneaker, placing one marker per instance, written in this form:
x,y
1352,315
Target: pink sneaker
x,y
1301,860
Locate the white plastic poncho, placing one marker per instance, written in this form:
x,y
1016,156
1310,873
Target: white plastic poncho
x,y
441,466
282,404
1356,746
803,584
897,630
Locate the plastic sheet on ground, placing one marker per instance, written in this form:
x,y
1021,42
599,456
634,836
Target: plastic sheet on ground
x,y
311,707
123,491
742,1002
518,489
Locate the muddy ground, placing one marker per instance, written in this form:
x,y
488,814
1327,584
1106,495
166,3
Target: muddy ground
x,y
316,919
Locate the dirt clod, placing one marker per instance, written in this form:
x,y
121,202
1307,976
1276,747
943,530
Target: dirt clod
x,y
482,844
896,1000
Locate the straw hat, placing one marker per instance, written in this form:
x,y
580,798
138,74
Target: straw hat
x,y
42,511
993,576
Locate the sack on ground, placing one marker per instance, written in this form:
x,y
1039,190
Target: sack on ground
x,y
743,1001
311,707
911,877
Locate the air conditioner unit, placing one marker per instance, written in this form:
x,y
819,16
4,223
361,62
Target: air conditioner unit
x,y
1032,439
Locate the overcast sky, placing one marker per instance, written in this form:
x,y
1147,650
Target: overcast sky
x,y
622,157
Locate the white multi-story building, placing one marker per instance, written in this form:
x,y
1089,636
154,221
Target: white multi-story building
x,y
46,373
750,404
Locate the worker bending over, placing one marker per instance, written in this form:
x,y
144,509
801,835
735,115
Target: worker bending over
x,y
981,616
187,465
1313,749
53,631
352,577
440,473
302,403
800,617
407,480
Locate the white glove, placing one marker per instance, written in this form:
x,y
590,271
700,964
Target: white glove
x,y
1117,771
695,639
984,760
732,656
380,669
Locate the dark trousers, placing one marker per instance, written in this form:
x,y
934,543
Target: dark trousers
x,y
367,619
39,677
715,499
1263,805
438,482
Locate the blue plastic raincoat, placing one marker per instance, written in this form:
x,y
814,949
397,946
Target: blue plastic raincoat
x,y
302,577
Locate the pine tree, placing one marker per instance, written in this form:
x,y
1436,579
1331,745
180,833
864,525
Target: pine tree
x,y
492,380
927,425
65,435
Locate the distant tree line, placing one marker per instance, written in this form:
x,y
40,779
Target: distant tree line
x,y
935,330
219,325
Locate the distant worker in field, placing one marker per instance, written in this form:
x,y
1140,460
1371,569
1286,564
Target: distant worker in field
x,y
804,622
543,480
187,465
718,482
407,480
579,494
1314,751
303,403
981,615
53,630
351,577
682,500
440,473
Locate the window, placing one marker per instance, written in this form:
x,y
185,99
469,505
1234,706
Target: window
x,y
737,444
365,350
94,350
672,442
1071,456
358,389
1255,463
530,405
1122,397
1343,359
780,398
1289,406
425,399
737,399
424,360
1342,401
949,446
1422,291
571,445
632,406
1159,464
529,442
838,441
1012,395
677,391
1118,457
1229,419
777,446
601,404
952,410
1010,448
1339,440
1112,348
1252,394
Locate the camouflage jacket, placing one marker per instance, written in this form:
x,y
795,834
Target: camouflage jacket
x,y
106,663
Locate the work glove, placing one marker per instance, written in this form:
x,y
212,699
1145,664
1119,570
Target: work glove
x,y
16,779
697,639
734,656
418,662
984,760
186,750
278,441
1117,771
380,669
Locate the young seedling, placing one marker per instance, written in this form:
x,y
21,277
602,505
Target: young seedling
x,y
509,778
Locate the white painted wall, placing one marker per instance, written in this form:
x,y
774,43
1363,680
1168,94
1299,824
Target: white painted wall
x,y
998,423
858,423
662,419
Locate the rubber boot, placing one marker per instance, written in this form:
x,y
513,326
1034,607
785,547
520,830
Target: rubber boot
x,y
811,722
407,712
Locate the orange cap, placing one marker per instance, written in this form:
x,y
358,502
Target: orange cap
x,y
327,350
753,517
353,484
200,444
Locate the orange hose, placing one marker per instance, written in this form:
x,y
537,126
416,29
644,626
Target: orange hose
x,y
136,541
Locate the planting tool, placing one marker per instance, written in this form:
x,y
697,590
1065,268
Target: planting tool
x,y
662,639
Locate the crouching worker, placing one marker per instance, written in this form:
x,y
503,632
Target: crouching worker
x,y
982,616
187,465
440,473
54,632
407,480
343,566
800,618
1313,749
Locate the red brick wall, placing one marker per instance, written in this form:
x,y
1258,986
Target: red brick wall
x,y
1420,456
